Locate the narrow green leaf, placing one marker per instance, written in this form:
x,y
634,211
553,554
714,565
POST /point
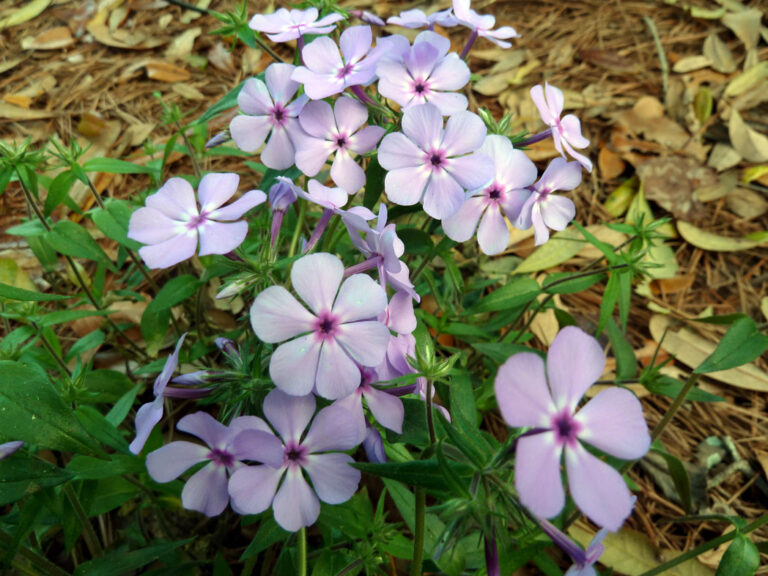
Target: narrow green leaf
x,y
562,283
120,562
115,166
519,290
18,472
426,473
626,362
73,240
64,316
269,533
58,190
112,228
610,296
499,352
374,183
667,386
175,291
13,293
679,476
742,344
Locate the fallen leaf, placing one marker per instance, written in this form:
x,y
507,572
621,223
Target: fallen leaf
x,y
221,58
609,60
746,26
18,100
621,198
723,157
670,181
13,275
692,349
691,63
11,112
53,39
632,553
719,54
726,182
747,80
610,164
746,203
26,13
647,118
166,72
752,145
136,134
187,91
190,15
9,64
764,307
716,243
182,45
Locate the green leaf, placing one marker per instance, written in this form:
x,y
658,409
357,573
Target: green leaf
x,y
229,100
175,291
679,476
560,248
626,362
17,473
499,352
562,283
88,468
416,241
518,291
13,293
667,386
112,228
72,239
269,533
115,166
58,190
105,386
99,427
742,344
64,316
120,562
742,558
374,183
34,412
44,252
610,296
426,473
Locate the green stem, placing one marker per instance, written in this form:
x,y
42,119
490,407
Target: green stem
x,y
707,546
191,150
297,230
418,531
430,418
51,351
302,550
672,410
89,534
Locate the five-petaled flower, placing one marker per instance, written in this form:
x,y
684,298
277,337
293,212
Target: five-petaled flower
x,y
336,131
171,222
268,110
206,490
482,25
546,400
295,504
434,166
286,25
418,19
504,196
426,73
566,131
328,344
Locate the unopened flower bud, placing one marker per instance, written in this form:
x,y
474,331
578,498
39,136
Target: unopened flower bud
x,y
282,194
228,347
219,139
374,446
368,17
232,289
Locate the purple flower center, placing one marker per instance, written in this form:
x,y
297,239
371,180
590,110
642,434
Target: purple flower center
x,y
197,220
437,158
345,71
294,455
279,115
221,458
494,192
341,141
566,428
326,326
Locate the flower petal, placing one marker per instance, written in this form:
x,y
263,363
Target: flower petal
x,y
366,342
443,197
236,209
386,408
598,490
258,446
451,73
278,78
555,99
335,428
337,374
366,139
172,460
295,505
170,252
279,153
334,480
205,427
575,362
175,199
355,42
221,237
448,102
277,316
206,491
150,226
464,133
537,474
316,279
350,114
522,392
461,226
311,155
317,120
293,366
252,488
472,171
254,98
613,422
398,151
405,186
215,189
289,415
360,298
346,173
557,211
424,126
147,418
493,234
321,56
250,132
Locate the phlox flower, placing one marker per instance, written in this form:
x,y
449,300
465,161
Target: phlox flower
x,y
281,195
482,25
566,132
151,413
286,25
418,19
8,448
336,131
327,344
543,210
434,166
294,502
386,408
171,222
503,197
206,490
546,400
426,73
327,71
267,109
368,17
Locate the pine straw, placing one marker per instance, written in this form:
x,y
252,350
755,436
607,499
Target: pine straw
x,y
588,43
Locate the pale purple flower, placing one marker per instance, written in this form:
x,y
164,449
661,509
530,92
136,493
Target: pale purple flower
x,y
267,109
151,413
331,199
434,166
481,26
336,131
386,408
368,17
426,73
504,197
583,560
544,210
327,344
9,448
546,400
286,25
418,19
566,132
171,223
318,454
206,490
327,71
393,47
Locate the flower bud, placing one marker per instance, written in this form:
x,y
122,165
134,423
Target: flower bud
x,y
282,194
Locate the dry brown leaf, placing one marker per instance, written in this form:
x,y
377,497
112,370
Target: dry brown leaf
x,y
190,15
716,243
691,63
182,45
11,112
221,58
722,157
136,134
25,13
692,349
754,76
18,100
166,72
250,60
746,26
752,145
610,164
9,64
726,182
187,91
670,181
647,118
719,54
52,39
746,203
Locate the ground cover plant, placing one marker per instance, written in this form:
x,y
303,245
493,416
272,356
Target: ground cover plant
x,y
386,391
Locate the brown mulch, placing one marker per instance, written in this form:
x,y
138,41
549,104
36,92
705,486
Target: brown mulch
x,y
603,49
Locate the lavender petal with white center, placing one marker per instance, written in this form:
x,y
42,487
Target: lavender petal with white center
x,y
286,25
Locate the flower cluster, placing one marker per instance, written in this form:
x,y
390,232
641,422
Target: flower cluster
x,y
339,335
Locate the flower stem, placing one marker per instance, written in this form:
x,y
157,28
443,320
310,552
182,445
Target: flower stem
x,y
191,150
297,230
302,550
468,45
672,410
89,534
491,554
418,531
430,418
535,138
